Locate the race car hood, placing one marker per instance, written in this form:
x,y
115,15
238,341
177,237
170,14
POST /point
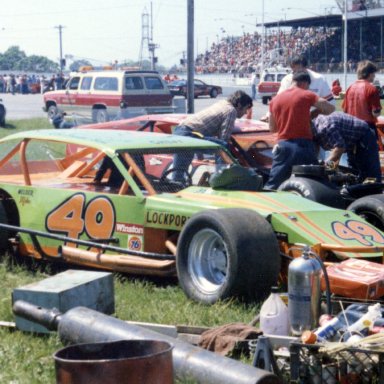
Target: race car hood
x,y
293,218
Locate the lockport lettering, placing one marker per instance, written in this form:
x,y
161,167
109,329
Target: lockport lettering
x,y
166,219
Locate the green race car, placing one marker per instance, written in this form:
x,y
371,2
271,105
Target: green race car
x,y
154,204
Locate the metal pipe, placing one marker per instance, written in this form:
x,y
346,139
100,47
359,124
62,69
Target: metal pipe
x,y
122,263
84,325
94,244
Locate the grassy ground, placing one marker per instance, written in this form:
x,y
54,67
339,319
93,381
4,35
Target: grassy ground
x,y
27,358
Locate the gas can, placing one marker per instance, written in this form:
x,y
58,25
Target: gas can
x,y
304,292
274,315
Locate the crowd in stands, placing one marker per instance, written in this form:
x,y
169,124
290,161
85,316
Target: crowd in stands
x,y
362,5
322,45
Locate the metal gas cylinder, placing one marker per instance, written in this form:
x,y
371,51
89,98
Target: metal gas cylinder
x,y
304,292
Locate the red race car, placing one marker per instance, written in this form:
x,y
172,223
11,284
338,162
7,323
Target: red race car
x,y
252,142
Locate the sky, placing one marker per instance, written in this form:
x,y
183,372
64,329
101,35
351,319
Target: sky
x,y
105,31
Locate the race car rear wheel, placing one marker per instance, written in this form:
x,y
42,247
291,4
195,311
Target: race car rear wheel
x,y
370,208
227,252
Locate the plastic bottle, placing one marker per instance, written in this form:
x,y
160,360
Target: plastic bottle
x,y
367,320
274,315
325,332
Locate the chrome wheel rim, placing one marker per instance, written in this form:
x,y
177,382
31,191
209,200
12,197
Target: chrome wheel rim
x,y
208,261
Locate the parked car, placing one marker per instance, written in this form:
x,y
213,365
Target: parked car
x,y
270,80
179,88
100,95
215,229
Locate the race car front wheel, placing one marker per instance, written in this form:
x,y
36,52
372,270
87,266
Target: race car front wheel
x,y
227,252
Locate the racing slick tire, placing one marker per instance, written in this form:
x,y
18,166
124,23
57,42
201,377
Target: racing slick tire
x,y
315,190
227,252
370,208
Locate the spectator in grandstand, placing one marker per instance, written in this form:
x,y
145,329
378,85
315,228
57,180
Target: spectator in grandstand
x,y
362,98
290,118
342,133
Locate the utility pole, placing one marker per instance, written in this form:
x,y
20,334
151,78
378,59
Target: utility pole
x,y
190,58
345,48
60,28
147,38
152,46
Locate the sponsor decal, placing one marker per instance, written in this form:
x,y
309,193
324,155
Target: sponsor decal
x,y
25,192
132,229
25,195
164,218
135,243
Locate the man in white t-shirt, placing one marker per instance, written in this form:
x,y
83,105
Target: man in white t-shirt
x,y
318,83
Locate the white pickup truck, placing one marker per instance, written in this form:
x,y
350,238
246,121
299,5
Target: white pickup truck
x,y
270,80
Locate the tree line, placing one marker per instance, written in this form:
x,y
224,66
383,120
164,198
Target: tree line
x,y
14,59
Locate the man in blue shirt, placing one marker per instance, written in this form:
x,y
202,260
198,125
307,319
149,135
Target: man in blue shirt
x,y
339,133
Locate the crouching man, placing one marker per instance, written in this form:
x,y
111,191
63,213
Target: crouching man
x,y
339,133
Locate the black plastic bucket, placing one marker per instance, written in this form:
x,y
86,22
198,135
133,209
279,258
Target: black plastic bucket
x,y
124,361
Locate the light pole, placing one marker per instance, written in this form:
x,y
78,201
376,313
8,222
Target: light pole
x,y
60,28
345,54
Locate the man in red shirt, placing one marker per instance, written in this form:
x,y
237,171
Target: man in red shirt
x,y
362,98
290,117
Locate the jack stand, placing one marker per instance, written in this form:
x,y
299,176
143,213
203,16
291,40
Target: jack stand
x,y
264,357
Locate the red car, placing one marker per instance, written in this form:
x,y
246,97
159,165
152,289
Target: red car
x,y
251,140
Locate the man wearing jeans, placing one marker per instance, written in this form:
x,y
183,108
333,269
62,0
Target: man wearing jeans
x,y
290,118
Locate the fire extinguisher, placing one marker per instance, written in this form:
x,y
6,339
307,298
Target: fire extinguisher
x,y
304,292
